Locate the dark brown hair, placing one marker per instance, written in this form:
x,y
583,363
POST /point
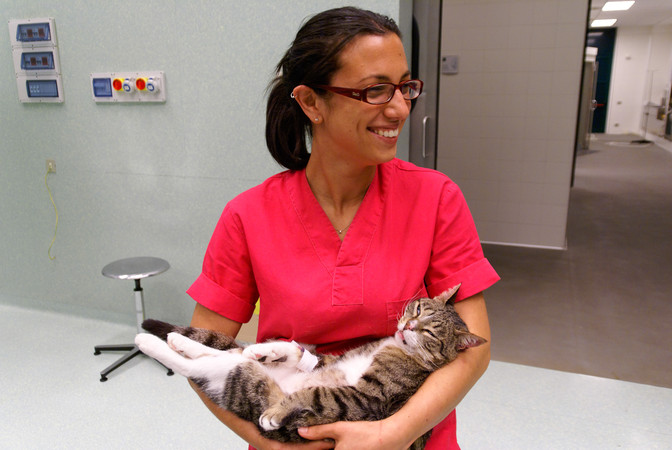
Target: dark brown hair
x,y
311,60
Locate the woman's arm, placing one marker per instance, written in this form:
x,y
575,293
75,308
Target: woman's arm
x,y
205,318
435,399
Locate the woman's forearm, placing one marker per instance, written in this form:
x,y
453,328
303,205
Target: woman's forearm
x,y
249,431
438,396
446,387
246,430
204,318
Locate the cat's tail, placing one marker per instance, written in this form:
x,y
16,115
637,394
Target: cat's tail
x,y
210,338
160,329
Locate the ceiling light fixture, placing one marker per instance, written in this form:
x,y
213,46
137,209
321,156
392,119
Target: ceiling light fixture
x,y
602,23
617,6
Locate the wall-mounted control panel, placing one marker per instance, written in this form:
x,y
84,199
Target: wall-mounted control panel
x,y
35,32
147,86
36,62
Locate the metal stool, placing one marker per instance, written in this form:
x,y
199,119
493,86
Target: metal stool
x,y
131,269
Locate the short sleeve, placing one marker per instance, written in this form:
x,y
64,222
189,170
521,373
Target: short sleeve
x,y
457,255
226,284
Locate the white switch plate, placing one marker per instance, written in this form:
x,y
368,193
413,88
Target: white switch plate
x,y
450,64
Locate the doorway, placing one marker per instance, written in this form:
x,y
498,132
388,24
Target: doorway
x,y
603,40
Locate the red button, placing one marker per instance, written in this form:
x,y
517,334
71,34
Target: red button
x,y
141,84
117,84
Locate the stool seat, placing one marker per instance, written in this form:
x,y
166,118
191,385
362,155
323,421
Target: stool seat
x,y
135,269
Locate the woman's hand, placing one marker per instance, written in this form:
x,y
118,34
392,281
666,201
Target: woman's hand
x,y
357,435
267,444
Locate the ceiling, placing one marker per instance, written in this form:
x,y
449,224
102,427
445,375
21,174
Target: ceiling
x,y
642,13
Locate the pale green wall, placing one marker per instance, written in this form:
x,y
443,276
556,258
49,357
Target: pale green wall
x,y
137,179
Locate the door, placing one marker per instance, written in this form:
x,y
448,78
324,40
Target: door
x,y
425,66
588,102
604,40
668,117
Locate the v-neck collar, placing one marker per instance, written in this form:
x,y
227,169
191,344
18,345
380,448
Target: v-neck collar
x,y
332,252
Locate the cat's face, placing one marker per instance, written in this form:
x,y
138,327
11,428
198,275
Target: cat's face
x,y
432,329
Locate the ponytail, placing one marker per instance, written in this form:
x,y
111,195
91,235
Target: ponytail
x,y
286,127
311,60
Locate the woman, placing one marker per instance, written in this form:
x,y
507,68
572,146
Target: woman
x,y
334,246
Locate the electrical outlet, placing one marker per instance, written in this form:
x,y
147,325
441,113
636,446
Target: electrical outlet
x,y
51,166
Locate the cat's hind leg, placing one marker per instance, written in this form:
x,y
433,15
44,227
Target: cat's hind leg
x,y
188,347
158,349
321,404
201,363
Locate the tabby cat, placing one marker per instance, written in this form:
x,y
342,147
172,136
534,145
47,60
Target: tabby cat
x,y
281,386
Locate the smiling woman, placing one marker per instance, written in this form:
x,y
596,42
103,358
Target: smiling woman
x,y
325,246
312,60
351,135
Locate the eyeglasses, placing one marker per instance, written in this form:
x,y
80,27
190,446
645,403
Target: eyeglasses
x,y
380,93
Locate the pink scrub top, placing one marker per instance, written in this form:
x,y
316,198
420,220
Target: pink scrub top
x,y
412,236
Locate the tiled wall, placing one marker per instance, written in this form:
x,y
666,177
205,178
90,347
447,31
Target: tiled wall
x,y
507,120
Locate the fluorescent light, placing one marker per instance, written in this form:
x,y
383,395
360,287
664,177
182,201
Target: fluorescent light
x,y
617,6
601,23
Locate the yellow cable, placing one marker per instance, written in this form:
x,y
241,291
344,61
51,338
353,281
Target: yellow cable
x,y
56,211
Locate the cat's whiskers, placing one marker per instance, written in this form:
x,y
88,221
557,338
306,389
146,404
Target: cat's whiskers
x,y
417,348
418,294
426,356
414,297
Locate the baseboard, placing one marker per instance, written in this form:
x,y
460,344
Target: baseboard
x,y
516,244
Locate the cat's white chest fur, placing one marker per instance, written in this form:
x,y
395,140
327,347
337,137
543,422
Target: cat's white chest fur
x,y
353,367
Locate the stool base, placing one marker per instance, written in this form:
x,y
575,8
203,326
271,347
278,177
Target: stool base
x,y
132,351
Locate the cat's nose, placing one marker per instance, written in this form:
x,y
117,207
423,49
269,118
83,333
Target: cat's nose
x,y
410,325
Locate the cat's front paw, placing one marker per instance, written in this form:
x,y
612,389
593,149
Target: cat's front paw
x,y
274,352
272,418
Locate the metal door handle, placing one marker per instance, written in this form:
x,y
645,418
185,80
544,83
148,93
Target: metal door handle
x,y
424,136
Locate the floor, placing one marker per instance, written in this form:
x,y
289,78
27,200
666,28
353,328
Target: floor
x,y
568,328
52,398
602,307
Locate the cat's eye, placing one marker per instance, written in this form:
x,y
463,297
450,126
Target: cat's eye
x,y
429,332
418,310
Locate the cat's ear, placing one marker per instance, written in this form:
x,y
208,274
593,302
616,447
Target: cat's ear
x,y
448,297
467,340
